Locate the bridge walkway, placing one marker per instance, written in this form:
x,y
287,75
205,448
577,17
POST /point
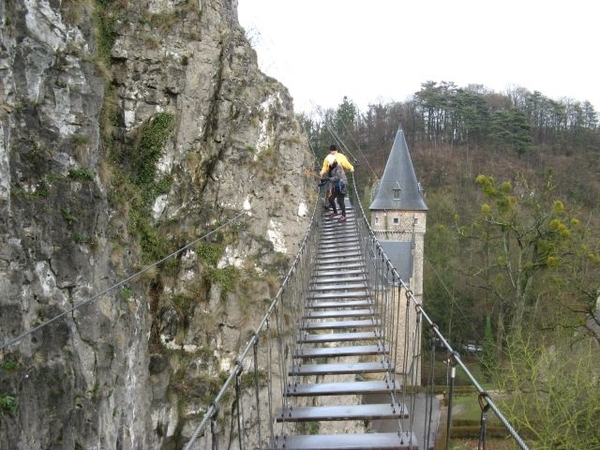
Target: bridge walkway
x,y
340,356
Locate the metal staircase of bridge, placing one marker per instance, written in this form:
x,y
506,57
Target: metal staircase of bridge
x,y
340,358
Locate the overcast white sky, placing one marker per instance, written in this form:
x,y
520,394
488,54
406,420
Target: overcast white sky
x,y
383,50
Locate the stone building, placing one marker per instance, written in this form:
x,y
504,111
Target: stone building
x,y
398,219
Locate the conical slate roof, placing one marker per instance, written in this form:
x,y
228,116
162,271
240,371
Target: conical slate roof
x,y
399,188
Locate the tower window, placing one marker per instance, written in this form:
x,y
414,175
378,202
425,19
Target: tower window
x,y
396,192
396,221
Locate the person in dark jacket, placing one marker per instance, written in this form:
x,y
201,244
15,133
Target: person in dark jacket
x,y
337,186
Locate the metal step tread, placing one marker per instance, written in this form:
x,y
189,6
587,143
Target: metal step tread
x,y
341,257
344,313
342,412
346,350
339,368
338,287
334,231
333,224
397,440
335,236
346,242
338,337
349,211
339,267
339,324
339,304
338,295
331,228
339,249
334,247
339,260
336,275
346,388
336,268
340,284
322,276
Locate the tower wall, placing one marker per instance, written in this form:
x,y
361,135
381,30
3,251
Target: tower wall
x,y
406,226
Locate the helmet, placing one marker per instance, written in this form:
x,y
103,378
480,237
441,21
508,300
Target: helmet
x,y
331,160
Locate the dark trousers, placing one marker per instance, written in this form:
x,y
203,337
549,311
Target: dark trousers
x,y
340,201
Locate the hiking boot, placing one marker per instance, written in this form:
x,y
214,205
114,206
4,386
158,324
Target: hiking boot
x,y
343,219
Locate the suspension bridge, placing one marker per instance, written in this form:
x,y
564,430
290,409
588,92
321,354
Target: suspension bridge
x,y
336,361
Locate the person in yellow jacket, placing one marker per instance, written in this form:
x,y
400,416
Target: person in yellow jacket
x,y
340,157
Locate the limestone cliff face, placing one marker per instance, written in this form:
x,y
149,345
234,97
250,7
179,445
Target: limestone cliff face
x,y
128,130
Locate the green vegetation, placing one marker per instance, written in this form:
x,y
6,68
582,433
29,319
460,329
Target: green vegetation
x,y
81,174
308,428
466,409
105,18
225,277
552,388
267,163
8,404
84,239
153,137
69,215
8,365
80,140
183,304
210,253
518,238
27,195
94,393
136,185
74,11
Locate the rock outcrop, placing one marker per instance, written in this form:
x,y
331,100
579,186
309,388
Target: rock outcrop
x,y
152,192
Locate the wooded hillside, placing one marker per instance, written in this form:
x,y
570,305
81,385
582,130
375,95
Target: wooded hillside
x,y
512,249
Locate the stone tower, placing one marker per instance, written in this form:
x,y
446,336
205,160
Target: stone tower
x,y
398,219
